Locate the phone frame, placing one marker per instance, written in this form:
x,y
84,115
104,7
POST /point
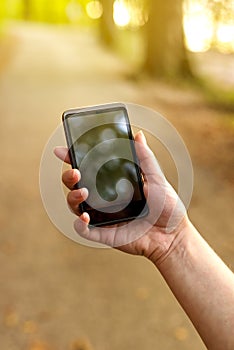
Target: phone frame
x,y
128,212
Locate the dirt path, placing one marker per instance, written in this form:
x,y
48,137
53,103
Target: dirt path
x,y
56,294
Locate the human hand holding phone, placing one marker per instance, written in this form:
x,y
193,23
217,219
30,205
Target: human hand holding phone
x,y
156,241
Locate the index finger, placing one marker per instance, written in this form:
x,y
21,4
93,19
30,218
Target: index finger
x,y
62,153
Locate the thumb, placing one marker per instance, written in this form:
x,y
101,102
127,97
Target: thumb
x,y
148,162
62,153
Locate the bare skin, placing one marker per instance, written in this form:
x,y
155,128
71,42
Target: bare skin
x,y
201,282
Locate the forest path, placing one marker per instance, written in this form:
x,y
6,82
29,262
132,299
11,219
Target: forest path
x,y
56,294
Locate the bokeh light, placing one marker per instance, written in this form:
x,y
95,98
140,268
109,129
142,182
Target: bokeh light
x,y
74,11
121,14
225,36
94,9
198,28
130,14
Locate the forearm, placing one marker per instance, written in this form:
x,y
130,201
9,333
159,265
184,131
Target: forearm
x,y
204,286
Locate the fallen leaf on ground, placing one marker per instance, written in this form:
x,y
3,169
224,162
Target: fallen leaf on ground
x,y
81,344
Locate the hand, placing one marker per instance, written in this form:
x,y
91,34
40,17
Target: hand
x,y
153,236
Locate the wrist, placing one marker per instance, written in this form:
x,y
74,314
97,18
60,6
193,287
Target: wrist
x,y
177,242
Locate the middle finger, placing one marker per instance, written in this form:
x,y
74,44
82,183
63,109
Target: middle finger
x,y
71,177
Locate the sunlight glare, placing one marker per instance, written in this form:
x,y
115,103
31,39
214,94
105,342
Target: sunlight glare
x,y
138,17
121,14
226,34
198,28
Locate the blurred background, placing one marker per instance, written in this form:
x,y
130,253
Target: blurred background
x,y
176,57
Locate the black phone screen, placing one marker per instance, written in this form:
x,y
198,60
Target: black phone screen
x,y
102,147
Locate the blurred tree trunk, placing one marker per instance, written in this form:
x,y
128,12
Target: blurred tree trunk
x,y
26,9
107,25
166,54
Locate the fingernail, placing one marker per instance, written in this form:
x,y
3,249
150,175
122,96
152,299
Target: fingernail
x,y
143,137
74,173
84,217
84,193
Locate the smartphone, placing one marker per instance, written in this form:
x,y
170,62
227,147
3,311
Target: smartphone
x,y
101,146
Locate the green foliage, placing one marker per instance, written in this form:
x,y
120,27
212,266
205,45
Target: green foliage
x,y
217,96
53,11
11,9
